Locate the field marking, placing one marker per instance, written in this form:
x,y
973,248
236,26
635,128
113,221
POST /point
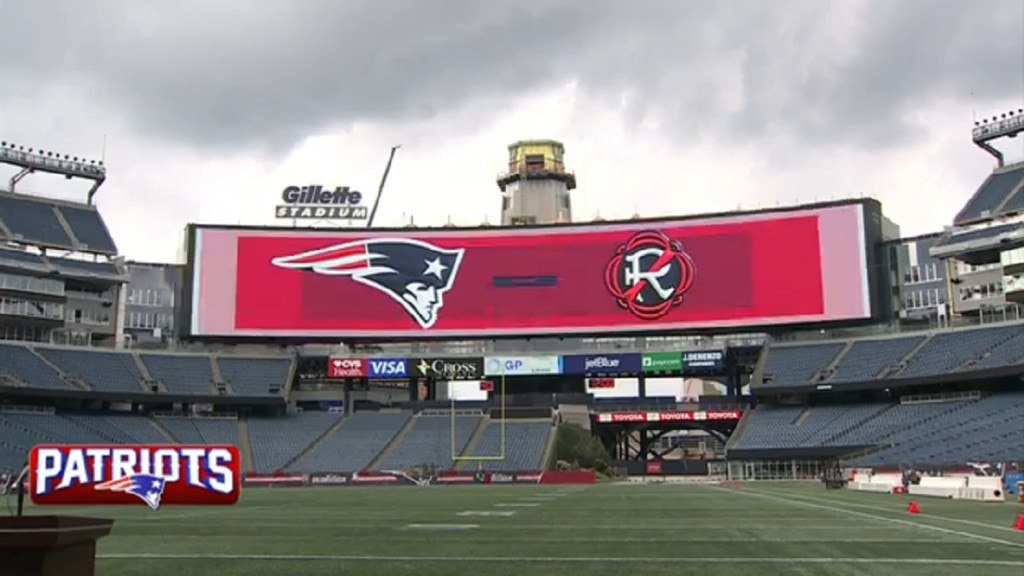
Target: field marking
x,y
564,560
518,504
884,509
883,519
442,527
499,513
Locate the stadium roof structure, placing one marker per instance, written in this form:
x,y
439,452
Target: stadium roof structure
x,y
31,160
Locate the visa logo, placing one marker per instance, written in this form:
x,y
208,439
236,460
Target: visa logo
x,y
155,475
387,368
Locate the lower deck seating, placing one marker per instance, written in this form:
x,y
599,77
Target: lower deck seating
x,y
278,441
430,442
356,444
521,450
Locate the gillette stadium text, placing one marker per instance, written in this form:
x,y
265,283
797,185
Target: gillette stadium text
x,y
155,476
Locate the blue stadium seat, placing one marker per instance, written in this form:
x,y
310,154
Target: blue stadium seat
x,y
795,365
255,376
33,220
429,442
104,371
990,195
182,374
525,443
949,350
866,359
88,227
278,441
21,363
362,437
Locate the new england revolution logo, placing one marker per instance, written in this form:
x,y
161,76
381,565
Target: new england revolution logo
x,y
413,273
649,275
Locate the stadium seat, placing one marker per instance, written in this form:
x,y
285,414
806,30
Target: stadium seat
x,y
429,442
255,376
992,193
525,443
21,363
88,227
33,220
182,374
867,359
104,371
362,437
794,365
278,441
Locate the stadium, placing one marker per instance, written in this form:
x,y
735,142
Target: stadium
x,y
707,394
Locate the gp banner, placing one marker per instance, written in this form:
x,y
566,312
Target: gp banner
x,y
602,364
757,269
522,365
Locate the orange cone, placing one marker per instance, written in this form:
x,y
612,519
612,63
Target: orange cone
x,y
913,508
1019,524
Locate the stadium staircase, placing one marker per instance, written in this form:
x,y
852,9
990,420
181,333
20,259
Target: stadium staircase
x,y
7,231
835,439
291,378
163,431
474,439
803,416
741,429
245,443
67,227
898,367
71,382
549,448
829,372
315,445
578,414
386,452
218,376
757,377
147,375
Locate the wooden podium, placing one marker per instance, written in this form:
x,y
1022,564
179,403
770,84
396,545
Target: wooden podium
x,y
50,545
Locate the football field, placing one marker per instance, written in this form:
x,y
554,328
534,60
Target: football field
x,y
764,529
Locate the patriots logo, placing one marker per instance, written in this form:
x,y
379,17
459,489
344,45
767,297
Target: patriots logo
x,y
412,272
146,487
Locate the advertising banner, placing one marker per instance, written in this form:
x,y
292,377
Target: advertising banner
x,y
602,364
676,416
346,368
447,368
386,368
756,269
703,361
522,366
662,362
328,479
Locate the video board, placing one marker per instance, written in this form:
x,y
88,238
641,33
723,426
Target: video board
x,y
745,270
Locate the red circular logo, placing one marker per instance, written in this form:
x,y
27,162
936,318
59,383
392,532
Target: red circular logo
x,y
649,275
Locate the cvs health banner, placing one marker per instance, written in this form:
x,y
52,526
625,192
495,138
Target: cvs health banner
x,y
346,368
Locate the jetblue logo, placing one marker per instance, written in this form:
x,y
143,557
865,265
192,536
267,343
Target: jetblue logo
x,y
387,368
601,362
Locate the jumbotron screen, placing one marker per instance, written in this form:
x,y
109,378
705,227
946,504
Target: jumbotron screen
x,y
745,270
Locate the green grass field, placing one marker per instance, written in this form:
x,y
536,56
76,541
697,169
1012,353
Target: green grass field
x,y
764,529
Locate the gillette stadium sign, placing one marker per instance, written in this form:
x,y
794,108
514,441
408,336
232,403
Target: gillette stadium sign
x,y
315,202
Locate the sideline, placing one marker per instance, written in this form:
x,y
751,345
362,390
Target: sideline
x,y
796,494
893,521
563,560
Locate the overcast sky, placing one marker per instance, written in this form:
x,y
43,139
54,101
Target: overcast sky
x,y
208,109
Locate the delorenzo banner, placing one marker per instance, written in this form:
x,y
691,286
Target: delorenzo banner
x,y
314,202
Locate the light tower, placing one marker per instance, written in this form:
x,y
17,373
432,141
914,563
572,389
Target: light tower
x,y
535,190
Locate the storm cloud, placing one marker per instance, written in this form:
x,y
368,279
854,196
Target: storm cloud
x,y
250,76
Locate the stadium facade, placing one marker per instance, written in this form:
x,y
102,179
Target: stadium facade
x,y
312,356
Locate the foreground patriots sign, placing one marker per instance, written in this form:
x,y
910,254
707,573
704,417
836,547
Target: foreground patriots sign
x,y
153,475
761,269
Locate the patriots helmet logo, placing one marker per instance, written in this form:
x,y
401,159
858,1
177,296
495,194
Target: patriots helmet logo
x,y
413,273
147,487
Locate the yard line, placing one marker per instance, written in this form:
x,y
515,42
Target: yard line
x,y
563,560
883,519
883,509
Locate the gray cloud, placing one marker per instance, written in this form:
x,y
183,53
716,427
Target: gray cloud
x,y
225,75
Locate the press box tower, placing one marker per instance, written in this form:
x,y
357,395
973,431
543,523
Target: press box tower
x,y
535,189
